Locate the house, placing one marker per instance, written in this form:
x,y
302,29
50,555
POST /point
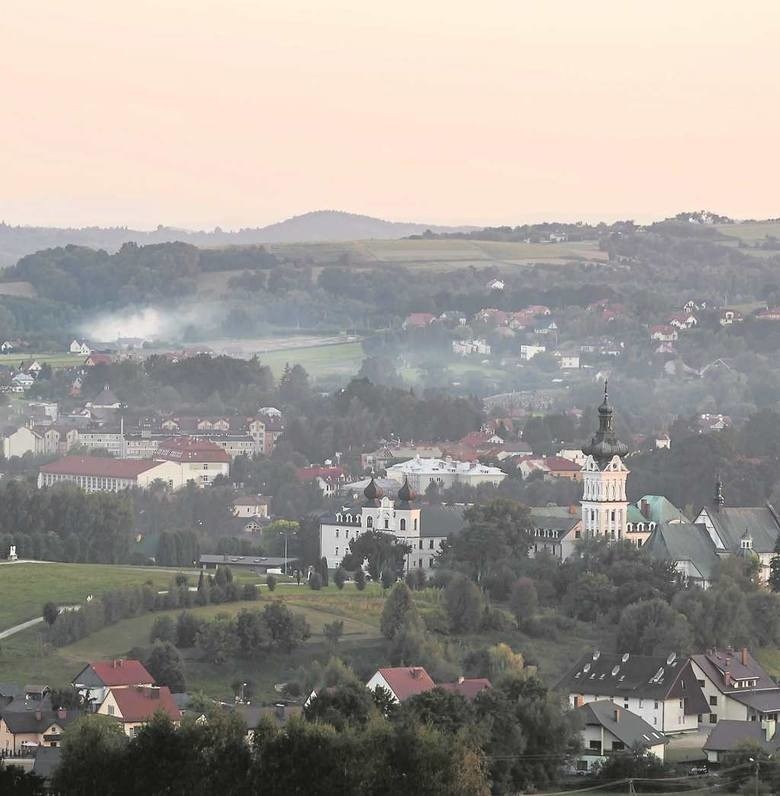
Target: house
x,y
402,682
490,316
689,547
608,728
80,347
95,679
94,359
423,528
22,381
200,461
554,530
649,512
133,706
467,687
251,715
384,455
29,728
713,422
736,686
663,442
682,320
663,333
528,352
727,317
663,691
21,441
250,506
418,320
769,314
728,735
550,467
7,346
568,361
466,347
103,474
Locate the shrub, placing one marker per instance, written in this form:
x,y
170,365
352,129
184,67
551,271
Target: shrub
x,y
416,579
315,581
339,577
464,604
163,629
270,581
523,600
360,580
250,591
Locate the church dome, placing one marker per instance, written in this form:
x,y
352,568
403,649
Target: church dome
x,y
405,494
372,491
605,444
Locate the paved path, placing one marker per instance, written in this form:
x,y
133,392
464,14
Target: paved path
x,y
12,631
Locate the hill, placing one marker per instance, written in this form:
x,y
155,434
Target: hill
x,y
317,226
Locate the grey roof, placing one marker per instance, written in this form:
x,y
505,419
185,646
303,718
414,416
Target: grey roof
x,y
641,676
553,518
247,561
441,520
626,726
47,758
716,663
683,541
731,522
760,701
11,690
728,733
33,721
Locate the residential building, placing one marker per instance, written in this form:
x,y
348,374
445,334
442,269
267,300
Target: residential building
x,y
80,347
103,474
444,473
22,441
662,691
402,682
423,528
769,314
550,467
736,686
26,729
96,678
200,461
528,352
465,348
418,320
729,317
728,735
250,506
134,706
554,530
467,687
663,333
568,361
608,728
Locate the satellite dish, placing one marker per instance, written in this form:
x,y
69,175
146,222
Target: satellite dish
x,y
615,670
596,655
624,658
671,659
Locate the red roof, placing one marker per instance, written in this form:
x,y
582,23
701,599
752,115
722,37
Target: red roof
x,y
310,473
419,319
407,681
140,704
559,463
98,359
468,687
121,672
187,449
100,466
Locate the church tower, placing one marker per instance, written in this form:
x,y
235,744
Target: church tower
x,y
604,502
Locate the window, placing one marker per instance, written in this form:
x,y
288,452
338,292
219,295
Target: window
x,y
595,746
420,563
655,704
682,683
713,701
682,704
618,746
430,562
430,544
337,550
640,703
713,718
415,525
612,517
577,534
420,545
403,525
370,522
110,710
387,523
337,533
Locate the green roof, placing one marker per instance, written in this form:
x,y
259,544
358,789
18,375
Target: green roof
x,y
659,508
684,541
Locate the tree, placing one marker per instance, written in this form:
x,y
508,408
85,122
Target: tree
x,y
333,631
399,612
774,568
270,581
315,581
163,629
634,763
218,639
287,630
187,626
446,711
523,600
50,613
464,604
165,664
360,580
324,570
349,703
340,577
380,550
653,627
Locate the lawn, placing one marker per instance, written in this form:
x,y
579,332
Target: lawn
x,y
750,232
24,588
339,359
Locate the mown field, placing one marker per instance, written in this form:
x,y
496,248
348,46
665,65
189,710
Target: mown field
x,y
339,359
55,360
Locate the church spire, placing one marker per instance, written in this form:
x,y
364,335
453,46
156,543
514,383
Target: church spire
x,y
719,499
605,444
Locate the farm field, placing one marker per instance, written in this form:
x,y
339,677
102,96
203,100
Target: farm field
x,y
56,360
25,587
20,289
339,359
750,232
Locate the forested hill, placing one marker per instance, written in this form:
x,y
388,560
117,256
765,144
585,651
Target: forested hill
x,y
321,225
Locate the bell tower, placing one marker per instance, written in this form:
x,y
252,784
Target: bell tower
x,y
604,502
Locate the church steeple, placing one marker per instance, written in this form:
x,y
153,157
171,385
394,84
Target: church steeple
x,y
604,443
719,499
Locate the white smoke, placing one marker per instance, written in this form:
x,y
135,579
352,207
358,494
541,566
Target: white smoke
x,y
147,324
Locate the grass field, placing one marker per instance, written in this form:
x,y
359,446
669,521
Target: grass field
x,y
340,359
750,232
24,588
60,360
23,289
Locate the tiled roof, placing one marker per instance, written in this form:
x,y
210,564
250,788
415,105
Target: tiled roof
x,y
140,704
100,466
35,721
317,471
727,734
186,449
467,687
716,663
407,681
120,672
626,726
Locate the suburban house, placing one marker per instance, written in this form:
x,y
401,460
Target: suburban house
x,y
467,687
528,352
135,705
250,506
329,478
423,528
96,358
729,734
729,317
550,467
80,347
736,686
102,474
418,320
608,728
402,682
465,348
554,530
387,454
24,730
664,692
95,679
769,314
663,333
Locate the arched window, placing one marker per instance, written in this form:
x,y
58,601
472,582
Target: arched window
x,y
387,523
337,533
370,522
403,525
415,524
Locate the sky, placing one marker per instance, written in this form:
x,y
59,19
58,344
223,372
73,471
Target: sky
x,y
239,113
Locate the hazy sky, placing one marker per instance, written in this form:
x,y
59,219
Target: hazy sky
x,y
242,112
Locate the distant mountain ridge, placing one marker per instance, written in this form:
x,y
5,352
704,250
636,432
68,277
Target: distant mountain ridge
x,y
313,227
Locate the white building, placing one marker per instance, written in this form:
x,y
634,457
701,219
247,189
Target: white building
x,y
528,352
23,440
445,473
103,474
465,348
424,529
200,461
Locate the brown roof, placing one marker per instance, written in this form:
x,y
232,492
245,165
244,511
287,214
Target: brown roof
x,y
407,681
138,703
467,687
100,466
121,672
187,449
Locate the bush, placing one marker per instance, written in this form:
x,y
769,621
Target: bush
x,y
416,579
250,592
360,580
387,578
50,613
270,581
536,628
292,689
495,619
232,593
187,626
523,600
464,604
339,577
315,581
436,620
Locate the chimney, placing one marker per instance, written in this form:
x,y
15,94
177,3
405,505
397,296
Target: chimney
x,y
415,672
644,507
743,657
62,713
617,714
38,715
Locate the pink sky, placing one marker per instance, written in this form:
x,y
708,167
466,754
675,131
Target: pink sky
x,y
242,112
